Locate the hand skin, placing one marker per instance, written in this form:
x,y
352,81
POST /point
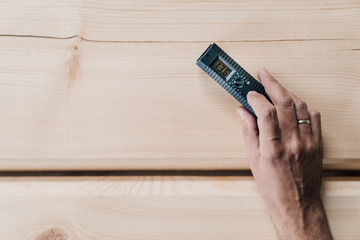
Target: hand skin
x,y
286,160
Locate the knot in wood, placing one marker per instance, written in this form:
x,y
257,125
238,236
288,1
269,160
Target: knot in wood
x,y
53,234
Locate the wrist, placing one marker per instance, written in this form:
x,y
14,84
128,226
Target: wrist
x,y
302,221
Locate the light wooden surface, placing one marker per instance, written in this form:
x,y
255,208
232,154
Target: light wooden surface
x,y
185,20
148,106
155,208
114,85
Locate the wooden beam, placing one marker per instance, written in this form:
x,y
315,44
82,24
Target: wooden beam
x,y
196,20
75,105
155,208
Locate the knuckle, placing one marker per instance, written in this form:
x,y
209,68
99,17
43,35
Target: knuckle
x,y
248,132
311,147
287,101
301,105
269,113
275,154
297,148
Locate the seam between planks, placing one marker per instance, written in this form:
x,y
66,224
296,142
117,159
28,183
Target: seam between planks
x,y
200,173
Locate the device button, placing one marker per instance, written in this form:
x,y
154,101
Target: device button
x,y
239,83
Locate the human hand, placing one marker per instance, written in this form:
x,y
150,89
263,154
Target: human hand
x,y
286,160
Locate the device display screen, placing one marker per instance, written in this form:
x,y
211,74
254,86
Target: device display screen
x,y
221,67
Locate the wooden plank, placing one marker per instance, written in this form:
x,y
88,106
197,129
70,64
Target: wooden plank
x,y
75,105
189,20
155,208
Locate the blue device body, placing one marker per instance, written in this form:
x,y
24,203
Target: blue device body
x,y
229,74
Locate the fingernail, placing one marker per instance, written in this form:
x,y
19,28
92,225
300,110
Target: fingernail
x,y
251,93
264,72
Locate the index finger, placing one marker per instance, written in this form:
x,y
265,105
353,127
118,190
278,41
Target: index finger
x,y
267,117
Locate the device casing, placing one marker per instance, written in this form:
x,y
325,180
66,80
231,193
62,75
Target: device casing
x,y
238,83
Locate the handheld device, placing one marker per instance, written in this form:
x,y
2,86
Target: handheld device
x,y
230,75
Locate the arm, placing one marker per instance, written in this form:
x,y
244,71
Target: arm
x,y
286,160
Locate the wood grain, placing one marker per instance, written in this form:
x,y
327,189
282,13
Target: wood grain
x,y
154,208
186,20
113,84
75,104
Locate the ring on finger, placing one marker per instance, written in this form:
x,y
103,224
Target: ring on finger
x,y
304,121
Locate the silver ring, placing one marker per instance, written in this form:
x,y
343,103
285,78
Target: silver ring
x,y
304,121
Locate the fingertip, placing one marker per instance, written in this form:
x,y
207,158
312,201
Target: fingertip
x,y
264,72
242,112
240,109
251,94
314,114
264,76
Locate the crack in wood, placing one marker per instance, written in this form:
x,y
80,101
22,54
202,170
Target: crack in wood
x,y
150,41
